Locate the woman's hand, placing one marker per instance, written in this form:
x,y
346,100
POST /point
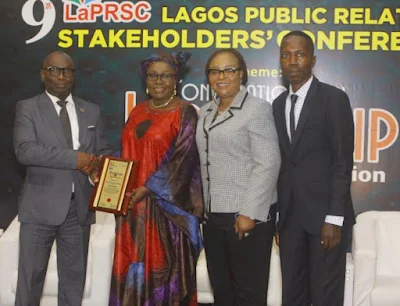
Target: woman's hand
x,y
243,225
137,195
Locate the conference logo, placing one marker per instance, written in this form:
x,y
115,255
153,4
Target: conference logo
x,y
83,11
90,11
47,21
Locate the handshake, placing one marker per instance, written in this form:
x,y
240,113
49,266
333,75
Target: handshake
x,y
89,164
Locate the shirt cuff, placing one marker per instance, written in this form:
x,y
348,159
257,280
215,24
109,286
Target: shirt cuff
x,y
336,220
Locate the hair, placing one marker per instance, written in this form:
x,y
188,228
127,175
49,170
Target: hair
x,y
301,34
235,53
176,60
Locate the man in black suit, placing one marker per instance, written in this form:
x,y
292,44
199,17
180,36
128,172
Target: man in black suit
x,y
316,135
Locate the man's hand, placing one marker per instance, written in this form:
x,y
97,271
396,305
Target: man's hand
x,y
243,225
137,195
94,165
330,236
94,176
84,163
89,164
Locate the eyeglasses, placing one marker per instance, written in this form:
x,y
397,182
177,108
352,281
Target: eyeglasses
x,y
166,77
228,72
55,71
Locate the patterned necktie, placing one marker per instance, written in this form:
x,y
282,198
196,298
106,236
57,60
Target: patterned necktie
x,y
65,123
293,98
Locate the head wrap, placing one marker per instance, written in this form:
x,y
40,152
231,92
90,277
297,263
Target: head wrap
x,y
176,60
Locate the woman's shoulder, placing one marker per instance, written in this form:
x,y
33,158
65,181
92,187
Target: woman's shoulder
x,y
205,107
140,106
187,106
137,111
257,107
183,103
255,100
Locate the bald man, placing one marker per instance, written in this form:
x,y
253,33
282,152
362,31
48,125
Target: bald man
x,y
56,136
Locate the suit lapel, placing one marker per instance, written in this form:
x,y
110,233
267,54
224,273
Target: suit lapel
x,y
209,116
48,110
81,115
240,99
286,145
221,119
307,107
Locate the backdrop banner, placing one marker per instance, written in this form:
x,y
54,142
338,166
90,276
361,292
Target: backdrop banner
x,y
357,47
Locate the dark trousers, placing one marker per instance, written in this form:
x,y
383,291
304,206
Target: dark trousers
x,y
36,240
309,274
238,270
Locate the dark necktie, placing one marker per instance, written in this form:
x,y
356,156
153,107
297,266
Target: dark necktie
x,y
293,98
65,123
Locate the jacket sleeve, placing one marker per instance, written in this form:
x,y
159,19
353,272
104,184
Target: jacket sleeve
x,y
264,145
30,151
341,137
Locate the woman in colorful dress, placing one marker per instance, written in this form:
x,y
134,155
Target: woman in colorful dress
x,y
158,241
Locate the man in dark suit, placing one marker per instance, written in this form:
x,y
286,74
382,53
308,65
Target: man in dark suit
x,y
56,136
316,135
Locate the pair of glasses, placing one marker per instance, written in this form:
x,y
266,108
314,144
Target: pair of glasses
x,y
166,77
227,72
55,71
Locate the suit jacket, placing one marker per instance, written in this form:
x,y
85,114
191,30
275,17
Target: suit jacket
x,y
316,167
239,156
40,144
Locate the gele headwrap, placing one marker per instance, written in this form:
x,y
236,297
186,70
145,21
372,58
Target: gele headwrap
x,y
176,60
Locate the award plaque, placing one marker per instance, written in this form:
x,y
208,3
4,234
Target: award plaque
x,y
116,177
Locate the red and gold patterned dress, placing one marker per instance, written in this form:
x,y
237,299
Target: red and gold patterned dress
x,y
158,241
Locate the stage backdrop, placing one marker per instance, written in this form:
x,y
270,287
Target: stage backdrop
x,y
357,48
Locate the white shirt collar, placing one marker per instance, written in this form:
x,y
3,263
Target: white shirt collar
x,y
303,90
54,99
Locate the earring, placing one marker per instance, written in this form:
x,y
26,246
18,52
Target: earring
x,y
175,91
147,90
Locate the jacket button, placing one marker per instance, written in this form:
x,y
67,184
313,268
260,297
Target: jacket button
x,y
294,165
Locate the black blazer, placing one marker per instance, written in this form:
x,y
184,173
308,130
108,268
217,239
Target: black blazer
x,y
317,167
